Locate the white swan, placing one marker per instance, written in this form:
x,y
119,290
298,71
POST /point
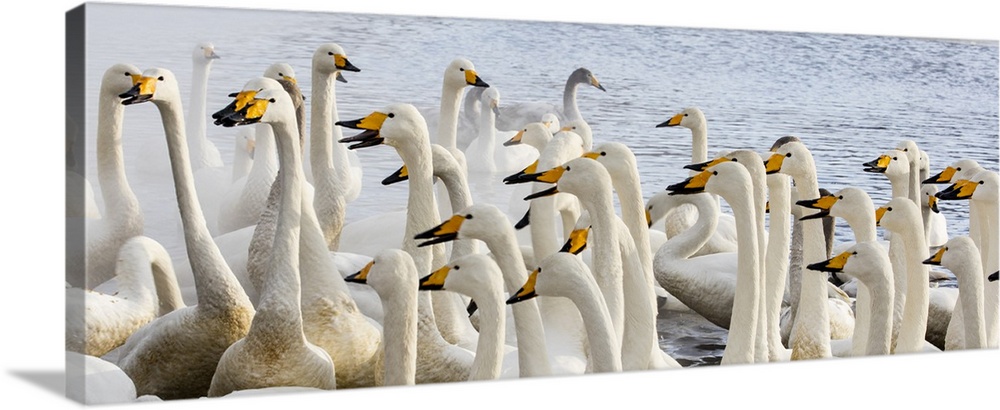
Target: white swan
x,y
277,328
204,153
478,277
459,74
776,260
146,288
484,153
935,223
335,175
97,381
869,262
723,238
402,127
175,355
901,216
810,337
514,116
961,256
122,217
392,274
733,183
565,275
244,143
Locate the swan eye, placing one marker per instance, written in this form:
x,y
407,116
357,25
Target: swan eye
x,y
271,100
469,216
982,182
894,158
854,253
281,75
736,160
461,69
604,153
840,197
788,155
888,209
906,149
391,115
958,169
160,78
685,115
457,268
329,53
128,74
715,172
567,168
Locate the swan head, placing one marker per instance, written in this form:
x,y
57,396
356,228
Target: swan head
x,y
262,100
478,221
893,163
747,158
927,195
281,71
911,150
690,117
581,177
246,141
331,59
958,251
535,134
204,53
396,125
863,260
577,240
959,170
552,122
119,78
582,129
842,204
615,156
584,76
981,186
157,85
491,98
925,162
791,158
471,275
722,179
555,276
461,73
896,214
391,271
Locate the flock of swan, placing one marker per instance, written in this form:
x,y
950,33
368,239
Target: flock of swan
x,y
277,292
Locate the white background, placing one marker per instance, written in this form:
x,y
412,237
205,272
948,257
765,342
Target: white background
x,y
31,262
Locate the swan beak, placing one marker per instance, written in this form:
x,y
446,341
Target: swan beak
x,y
879,213
773,164
341,62
932,204
551,176
707,164
592,155
362,275
370,137
516,139
691,185
672,122
495,107
525,220
248,110
963,189
994,276
577,241
824,203
251,147
835,264
515,178
767,207
879,165
527,291
400,175
936,258
435,281
649,219
942,177
548,192
290,79
340,77
472,79
567,128
446,231
597,84
211,55
141,91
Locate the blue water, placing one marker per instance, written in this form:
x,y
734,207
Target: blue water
x,y
848,97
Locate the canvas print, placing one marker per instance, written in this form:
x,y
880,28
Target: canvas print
x,y
275,201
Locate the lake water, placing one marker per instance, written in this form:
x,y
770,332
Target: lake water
x,y
848,97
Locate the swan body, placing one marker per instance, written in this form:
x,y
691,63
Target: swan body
x,y
176,355
122,217
275,351
513,117
961,256
98,381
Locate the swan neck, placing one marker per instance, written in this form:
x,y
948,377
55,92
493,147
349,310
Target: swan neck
x,y
880,321
460,198
605,350
197,116
399,335
265,162
448,122
570,109
699,143
119,200
685,244
489,350
914,324
322,133
971,299
776,259
743,325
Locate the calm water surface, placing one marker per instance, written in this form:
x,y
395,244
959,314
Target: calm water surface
x,y
849,98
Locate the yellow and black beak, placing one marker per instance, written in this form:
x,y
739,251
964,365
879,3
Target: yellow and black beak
x,y
516,139
942,177
879,213
593,155
994,276
244,110
596,84
707,164
446,231
835,264
649,218
531,169
692,185
471,78
551,176
932,204
767,207
528,290
341,62
435,281
400,175
362,275
290,79
823,203
672,122
963,189
773,164
370,136
935,259
577,241
878,165
142,90
524,221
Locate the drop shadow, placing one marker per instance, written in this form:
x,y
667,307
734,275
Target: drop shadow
x,y
54,381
